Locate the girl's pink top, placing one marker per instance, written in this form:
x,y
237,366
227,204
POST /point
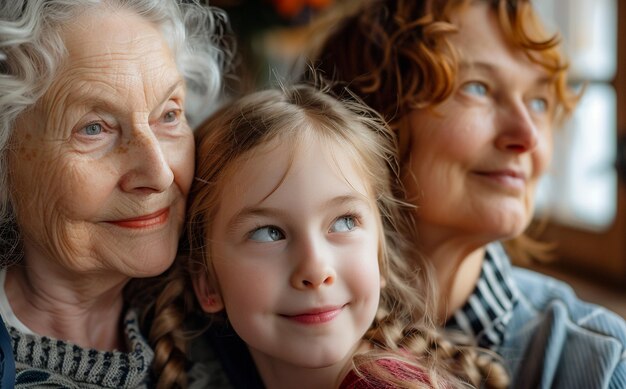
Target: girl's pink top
x,y
397,368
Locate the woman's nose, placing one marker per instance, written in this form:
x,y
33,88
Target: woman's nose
x,y
147,169
314,267
518,133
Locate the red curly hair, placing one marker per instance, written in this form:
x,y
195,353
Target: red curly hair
x,y
396,55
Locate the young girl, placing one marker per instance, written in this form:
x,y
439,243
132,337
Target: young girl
x,y
295,242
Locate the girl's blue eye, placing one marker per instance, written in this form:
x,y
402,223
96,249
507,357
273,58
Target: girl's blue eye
x,y
267,234
475,88
343,224
93,129
539,105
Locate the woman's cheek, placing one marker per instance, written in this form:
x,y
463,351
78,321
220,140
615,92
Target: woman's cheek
x,y
182,161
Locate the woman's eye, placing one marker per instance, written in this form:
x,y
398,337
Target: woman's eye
x,y
92,129
539,105
475,88
343,224
267,234
170,116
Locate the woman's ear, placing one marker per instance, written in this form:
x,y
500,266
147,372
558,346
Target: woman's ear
x,y
210,301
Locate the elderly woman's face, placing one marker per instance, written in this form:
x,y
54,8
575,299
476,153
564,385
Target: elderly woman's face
x,y
476,158
104,161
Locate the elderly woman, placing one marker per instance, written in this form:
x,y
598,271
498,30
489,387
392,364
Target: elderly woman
x,y
474,89
96,159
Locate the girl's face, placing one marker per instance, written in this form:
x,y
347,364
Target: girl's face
x,y
295,251
476,158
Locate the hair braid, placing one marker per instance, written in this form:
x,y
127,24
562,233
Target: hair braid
x,y
447,356
167,333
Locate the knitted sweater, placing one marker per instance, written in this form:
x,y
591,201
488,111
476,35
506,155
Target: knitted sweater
x,y
41,361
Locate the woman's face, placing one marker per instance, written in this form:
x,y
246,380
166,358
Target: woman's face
x,y
104,161
475,159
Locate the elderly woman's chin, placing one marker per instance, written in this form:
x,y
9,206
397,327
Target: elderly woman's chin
x,y
145,252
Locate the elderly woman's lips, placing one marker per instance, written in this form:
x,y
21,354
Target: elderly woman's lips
x,y
153,219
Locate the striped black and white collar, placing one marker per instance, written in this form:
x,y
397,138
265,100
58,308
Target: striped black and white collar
x,y
489,308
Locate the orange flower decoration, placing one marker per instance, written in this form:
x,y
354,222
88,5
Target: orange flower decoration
x,y
291,8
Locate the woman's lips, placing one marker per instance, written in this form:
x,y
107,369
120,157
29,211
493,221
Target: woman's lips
x,y
316,316
145,221
508,179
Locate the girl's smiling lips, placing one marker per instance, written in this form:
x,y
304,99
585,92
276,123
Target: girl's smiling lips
x,y
153,219
317,315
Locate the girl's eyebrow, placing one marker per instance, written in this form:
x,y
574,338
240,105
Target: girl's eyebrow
x,y
355,198
257,211
248,213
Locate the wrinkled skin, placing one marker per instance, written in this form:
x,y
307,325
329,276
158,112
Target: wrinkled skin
x,y
108,142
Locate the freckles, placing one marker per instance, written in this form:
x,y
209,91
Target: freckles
x,y
25,154
24,149
28,163
124,146
139,139
134,142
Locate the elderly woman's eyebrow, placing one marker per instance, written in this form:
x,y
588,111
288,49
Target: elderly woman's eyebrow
x,y
170,91
97,96
177,84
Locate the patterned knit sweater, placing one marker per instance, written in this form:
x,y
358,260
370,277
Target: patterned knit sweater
x,y
43,362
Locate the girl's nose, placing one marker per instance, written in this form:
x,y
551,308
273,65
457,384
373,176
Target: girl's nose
x,y
314,267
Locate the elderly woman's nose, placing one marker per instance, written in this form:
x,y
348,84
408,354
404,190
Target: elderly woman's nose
x,y
517,130
147,168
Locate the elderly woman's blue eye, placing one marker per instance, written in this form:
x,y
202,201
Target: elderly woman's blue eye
x,y
343,224
93,129
267,234
170,116
539,105
475,88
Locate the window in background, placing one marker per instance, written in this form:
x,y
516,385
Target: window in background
x,y
581,187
